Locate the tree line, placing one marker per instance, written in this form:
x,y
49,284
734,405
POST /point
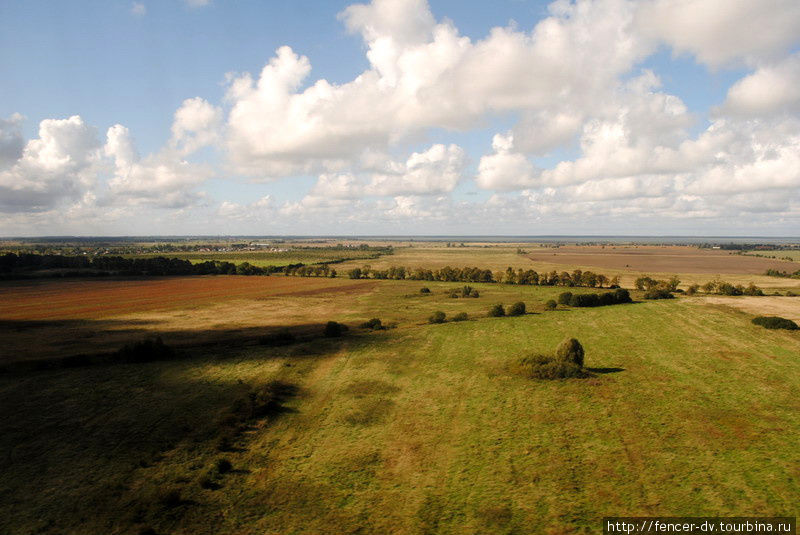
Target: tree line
x,y
12,265
473,274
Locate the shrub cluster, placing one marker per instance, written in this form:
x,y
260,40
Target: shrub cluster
x,y
461,316
618,296
255,402
784,274
567,362
211,479
437,317
647,283
517,309
497,311
724,288
334,329
775,322
551,305
374,324
658,293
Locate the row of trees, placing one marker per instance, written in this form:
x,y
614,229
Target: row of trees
x,y
301,270
618,296
724,288
12,264
474,274
784,274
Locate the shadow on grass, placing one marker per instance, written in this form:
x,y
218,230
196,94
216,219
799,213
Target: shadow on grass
x,y
111,430
56,344
604,370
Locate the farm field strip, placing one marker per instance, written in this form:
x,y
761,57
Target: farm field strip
x,y
785,307
53,299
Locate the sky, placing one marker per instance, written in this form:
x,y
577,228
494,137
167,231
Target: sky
x,y
400,117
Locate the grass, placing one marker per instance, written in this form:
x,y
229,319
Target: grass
x,y
421,429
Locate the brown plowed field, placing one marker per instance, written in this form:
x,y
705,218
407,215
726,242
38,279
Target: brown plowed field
x,y
676,259
94,299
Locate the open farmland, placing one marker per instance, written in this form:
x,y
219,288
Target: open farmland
x,y
418,429
660,259
51,318
762,306
691,264
298,255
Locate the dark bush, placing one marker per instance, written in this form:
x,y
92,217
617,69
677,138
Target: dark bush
x,y
658,293
621,295
497,311
517,309
570,350
374,324
334,329
475,294
437,317
279,338
547,367
424,290
461,316
564,298
169,496
145,351
223,465
209,480
774,322
225,442
267,400
584,300
551,305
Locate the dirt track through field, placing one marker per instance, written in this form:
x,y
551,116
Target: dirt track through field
x,y
676,259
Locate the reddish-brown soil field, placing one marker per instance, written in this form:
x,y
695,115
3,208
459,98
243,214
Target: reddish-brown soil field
x,y
57,318
674,259
95,299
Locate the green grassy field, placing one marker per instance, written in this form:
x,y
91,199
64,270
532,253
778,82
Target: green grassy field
x,y
691,410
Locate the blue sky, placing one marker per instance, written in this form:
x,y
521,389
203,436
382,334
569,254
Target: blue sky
x,y
558,113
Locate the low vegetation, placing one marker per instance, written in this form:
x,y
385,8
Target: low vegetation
x,y
334,329
783,274
497,311
618,296
565,363
374,324
517,309
437,317
775,322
